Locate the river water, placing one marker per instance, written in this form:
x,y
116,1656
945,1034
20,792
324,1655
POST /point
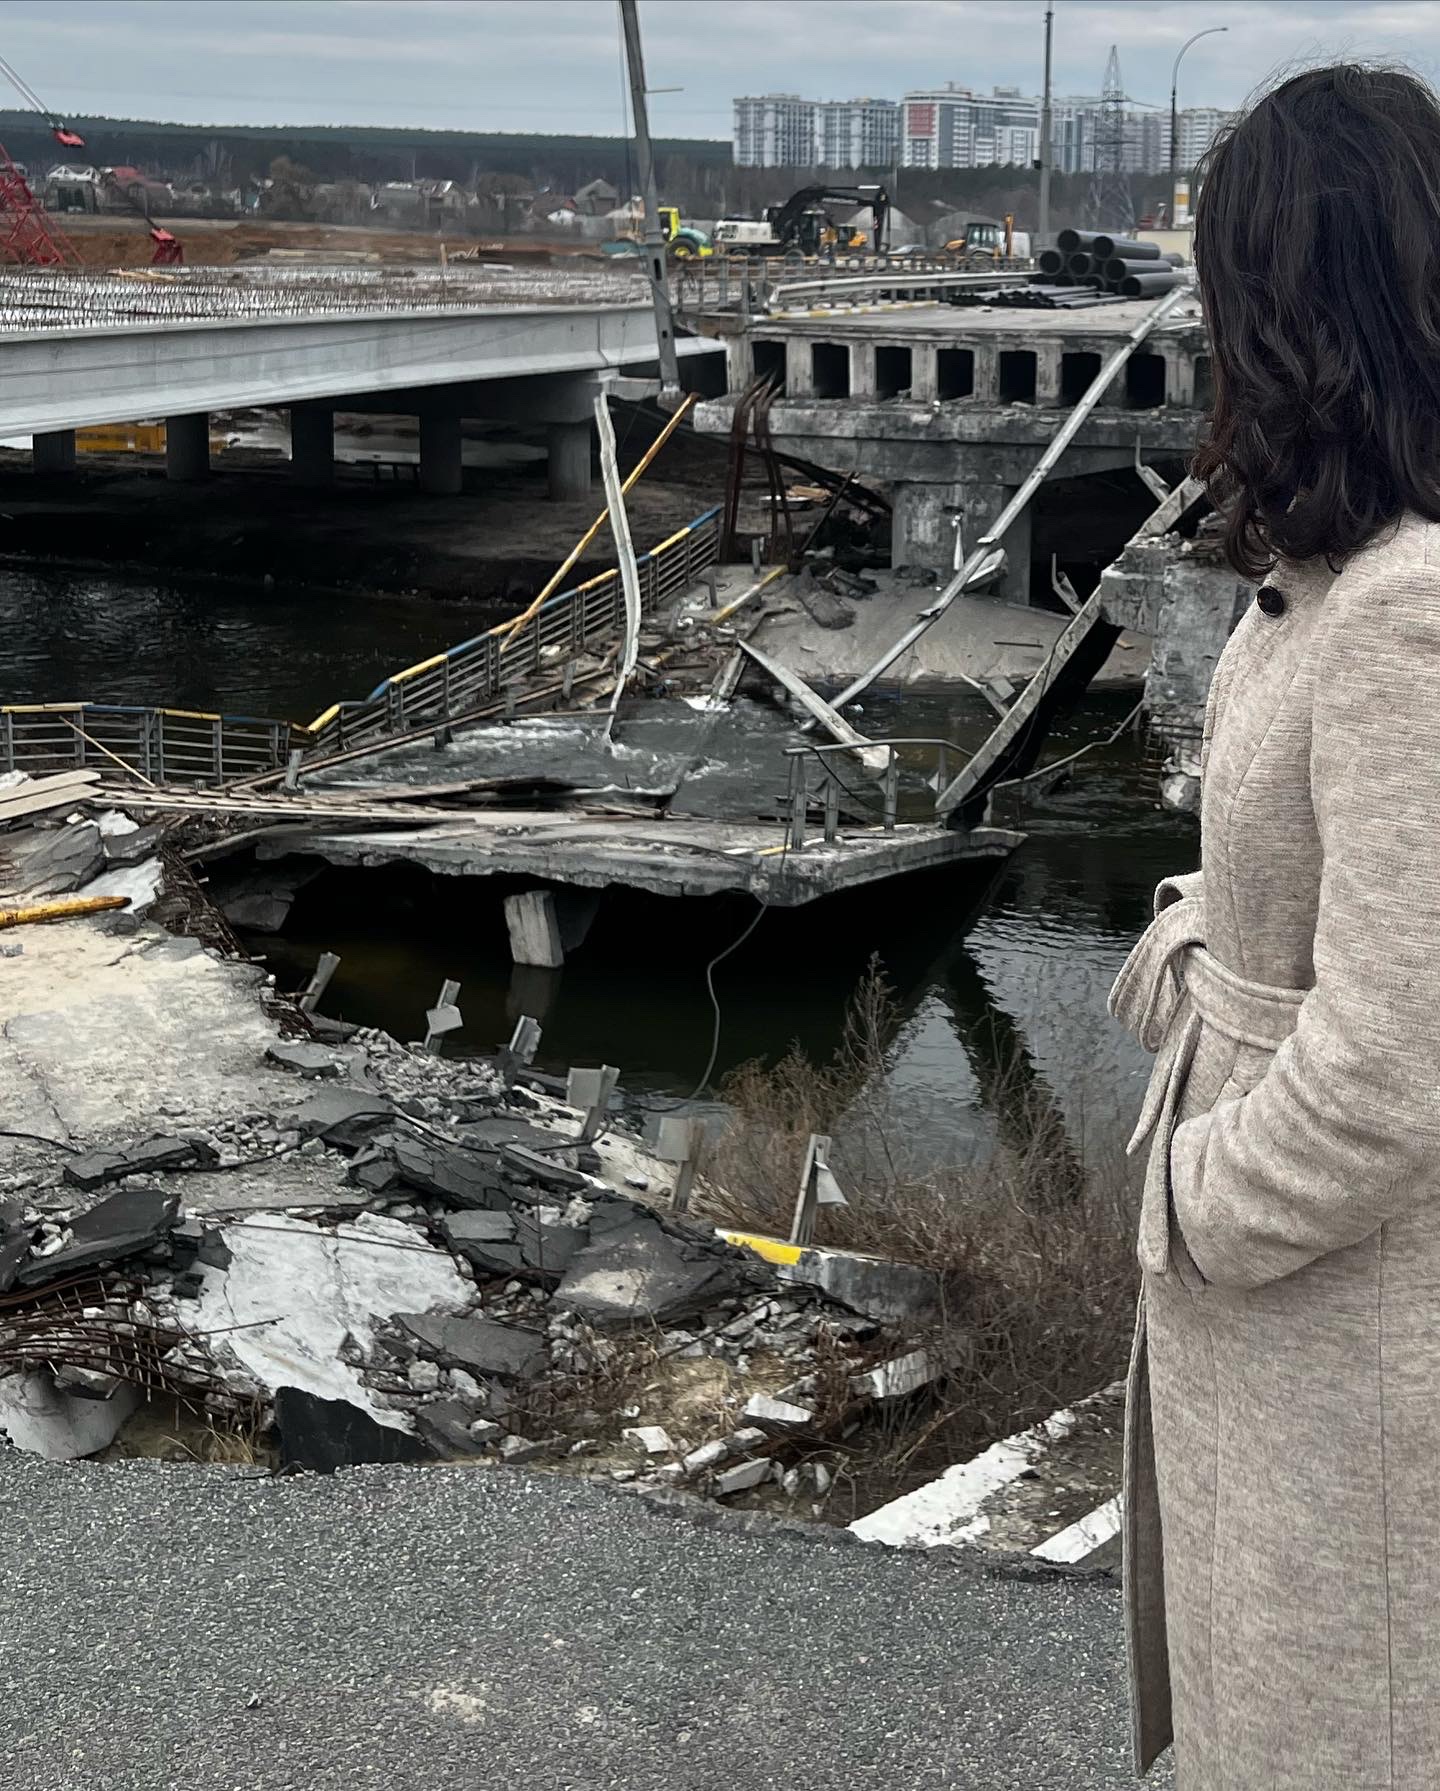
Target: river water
x,y
995,987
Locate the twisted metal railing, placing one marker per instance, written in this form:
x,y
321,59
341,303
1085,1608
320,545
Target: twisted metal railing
x,y
194,746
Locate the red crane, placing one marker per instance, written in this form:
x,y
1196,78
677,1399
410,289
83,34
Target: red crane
x,y
27,235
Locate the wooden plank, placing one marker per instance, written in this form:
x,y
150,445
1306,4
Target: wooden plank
x,y
66,790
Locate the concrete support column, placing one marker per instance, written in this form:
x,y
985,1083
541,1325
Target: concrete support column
x,y
1047,373
187,446
924,374
440,463
569,464
923,531
799,368
862,369
1179,375
53,452
534,927
987,374
312,444
739,364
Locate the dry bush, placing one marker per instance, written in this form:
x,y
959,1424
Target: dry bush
x,y
1032,1248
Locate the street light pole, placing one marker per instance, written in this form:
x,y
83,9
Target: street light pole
x,y
1209,31
1046,131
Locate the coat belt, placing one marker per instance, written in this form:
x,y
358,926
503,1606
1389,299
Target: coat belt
x,y
1169,992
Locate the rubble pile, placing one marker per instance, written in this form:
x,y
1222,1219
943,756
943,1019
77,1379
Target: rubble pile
x,y
407,1257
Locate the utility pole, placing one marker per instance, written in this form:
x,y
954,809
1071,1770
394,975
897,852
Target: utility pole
x,y
1046,129
654,236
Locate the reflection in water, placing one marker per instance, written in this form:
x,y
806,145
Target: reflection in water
x,y
986,979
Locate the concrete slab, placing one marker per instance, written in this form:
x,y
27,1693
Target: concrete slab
x,y
666,857
978,637
100,1033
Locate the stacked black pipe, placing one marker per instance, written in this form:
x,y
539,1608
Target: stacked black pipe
x,y
1120,266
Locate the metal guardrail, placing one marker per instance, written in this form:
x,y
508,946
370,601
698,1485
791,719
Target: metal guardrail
x,y
831,784
194,746
749,284
162,745
477,671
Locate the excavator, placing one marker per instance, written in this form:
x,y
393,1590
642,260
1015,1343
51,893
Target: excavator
x,y
801,225
26,235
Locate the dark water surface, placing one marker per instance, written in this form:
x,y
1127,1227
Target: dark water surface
x,y
1000,979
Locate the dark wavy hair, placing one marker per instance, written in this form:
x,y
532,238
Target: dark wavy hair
x,y
1317,244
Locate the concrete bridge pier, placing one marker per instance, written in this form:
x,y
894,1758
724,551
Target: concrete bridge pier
x,y
923,530
312,444
441,468
53,452
187,447
569,463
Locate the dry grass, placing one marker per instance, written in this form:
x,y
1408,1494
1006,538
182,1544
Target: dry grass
x,y
1032,1250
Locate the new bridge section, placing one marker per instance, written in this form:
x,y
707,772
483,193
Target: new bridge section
x,y
81,349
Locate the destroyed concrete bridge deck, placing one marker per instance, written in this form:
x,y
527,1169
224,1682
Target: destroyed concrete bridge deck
x,y
695,857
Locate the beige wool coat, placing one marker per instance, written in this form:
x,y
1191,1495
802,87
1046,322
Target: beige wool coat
x,y
1282,1513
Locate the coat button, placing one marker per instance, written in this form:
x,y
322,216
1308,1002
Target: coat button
x,y
1271,601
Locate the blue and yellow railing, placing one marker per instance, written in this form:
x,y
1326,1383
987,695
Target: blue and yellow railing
x,y
197,746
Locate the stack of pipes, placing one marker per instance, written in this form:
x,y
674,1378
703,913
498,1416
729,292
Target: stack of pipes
x,y
1122,266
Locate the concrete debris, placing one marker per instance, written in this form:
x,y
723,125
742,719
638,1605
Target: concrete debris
x,y
53,861
38,1416
518,1449
895,1379
479,1345
654,1439
125,1225
777,1414
634,1268
305,1059
742,1476
344,1118
888,1292
92,1169
321,1435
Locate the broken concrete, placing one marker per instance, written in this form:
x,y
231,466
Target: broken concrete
x,y
479,1345
37,1415
125,1225
635,1270
321,1435
91,1169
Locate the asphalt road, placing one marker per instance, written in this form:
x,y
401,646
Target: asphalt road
x,y
404,1629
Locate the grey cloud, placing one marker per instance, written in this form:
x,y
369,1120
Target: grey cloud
x,y
554,64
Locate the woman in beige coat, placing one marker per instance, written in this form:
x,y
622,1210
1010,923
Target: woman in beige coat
x,y
1283,1435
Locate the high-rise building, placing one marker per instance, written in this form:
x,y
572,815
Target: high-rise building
x,y
1197,129
951,127
774,130
1072,134
857,133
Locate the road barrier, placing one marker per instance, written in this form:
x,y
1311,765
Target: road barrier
x,y
193,746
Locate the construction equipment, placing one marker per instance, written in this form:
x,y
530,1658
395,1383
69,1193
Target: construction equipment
x,y
802,223
25,233
683,242
984,242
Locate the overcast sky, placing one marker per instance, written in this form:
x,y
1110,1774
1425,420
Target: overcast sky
x,y
554,65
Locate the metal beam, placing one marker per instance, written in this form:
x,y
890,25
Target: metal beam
x,y
995,534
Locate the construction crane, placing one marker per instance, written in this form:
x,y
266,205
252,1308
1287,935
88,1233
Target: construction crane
x,y
26,233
